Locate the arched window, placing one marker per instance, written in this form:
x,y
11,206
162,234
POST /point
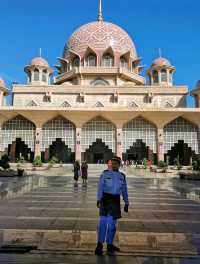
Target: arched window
x,y
99,82
44,76
91,60
108,60
163,75
76,62
36,75
123,62
155,76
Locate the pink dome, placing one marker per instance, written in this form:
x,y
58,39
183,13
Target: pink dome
x,y
161,62
99,36
39,61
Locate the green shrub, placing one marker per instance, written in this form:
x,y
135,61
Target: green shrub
x,y
4,162
53,161
177,163
37,161
162,164
196,165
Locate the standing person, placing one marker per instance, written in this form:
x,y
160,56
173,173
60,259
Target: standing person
x,y
76,170
112,184
84,171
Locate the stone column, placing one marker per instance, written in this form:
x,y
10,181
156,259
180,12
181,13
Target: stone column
x,y
119,142
78,144
1,98
160,144
38,138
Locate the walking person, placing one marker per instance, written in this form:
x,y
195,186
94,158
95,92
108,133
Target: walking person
x,y
112,185
76,170
84,172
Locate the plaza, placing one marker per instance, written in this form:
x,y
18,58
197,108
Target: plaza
x,y
97,104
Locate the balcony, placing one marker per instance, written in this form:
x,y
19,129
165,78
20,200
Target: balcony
x,y
100,70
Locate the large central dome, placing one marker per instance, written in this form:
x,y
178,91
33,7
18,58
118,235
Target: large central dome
x,y
100,36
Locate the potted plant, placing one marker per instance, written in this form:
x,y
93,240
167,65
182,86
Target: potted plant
x,y
53,162
163,165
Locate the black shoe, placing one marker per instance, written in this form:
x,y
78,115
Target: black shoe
x,y
116,249
112,249
99,249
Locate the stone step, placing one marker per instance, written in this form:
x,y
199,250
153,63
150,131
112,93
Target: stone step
x,y
129,242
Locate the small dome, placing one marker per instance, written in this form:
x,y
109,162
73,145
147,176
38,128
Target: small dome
x,y
159,62
198,85
99,36
2,83
39,61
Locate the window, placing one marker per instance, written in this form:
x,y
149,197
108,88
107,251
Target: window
x,y
91,60
108,60
163,75
47,99
123,62
155,76
36,75
99,82
44,76
76,62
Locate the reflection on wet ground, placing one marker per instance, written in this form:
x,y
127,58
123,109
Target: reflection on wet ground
x,y
157,206
87,259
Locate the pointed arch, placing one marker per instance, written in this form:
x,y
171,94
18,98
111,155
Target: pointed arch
x,y
133,104
168,104
99,82
108,58
99,128
180,129
32,103
99,104
58,128
90,58
139,128
18,127
65,104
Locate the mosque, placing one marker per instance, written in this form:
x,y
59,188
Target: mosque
x,y
96,104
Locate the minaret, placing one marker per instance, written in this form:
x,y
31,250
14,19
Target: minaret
x,y
100,14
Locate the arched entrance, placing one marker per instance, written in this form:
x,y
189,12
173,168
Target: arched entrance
x,y
98,140
98,152
59,150
19,149
137,152
181,138
58,140
139,140
182,152
18,138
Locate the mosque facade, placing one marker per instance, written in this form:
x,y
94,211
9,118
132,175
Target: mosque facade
x,y
97,104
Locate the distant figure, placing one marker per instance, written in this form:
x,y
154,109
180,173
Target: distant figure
x,y
76,170
84,171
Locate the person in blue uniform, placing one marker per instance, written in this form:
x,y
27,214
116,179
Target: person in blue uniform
x,y
112,185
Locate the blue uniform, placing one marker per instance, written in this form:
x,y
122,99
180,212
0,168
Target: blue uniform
x,y
112,185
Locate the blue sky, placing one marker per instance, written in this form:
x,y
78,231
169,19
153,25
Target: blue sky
x,y
173,26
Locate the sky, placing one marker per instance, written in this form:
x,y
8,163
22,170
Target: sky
x,y
173,26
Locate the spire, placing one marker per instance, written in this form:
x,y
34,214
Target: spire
x,y
160,53
100,14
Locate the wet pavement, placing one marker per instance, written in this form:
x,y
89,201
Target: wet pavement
x,y
53,213
86,259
